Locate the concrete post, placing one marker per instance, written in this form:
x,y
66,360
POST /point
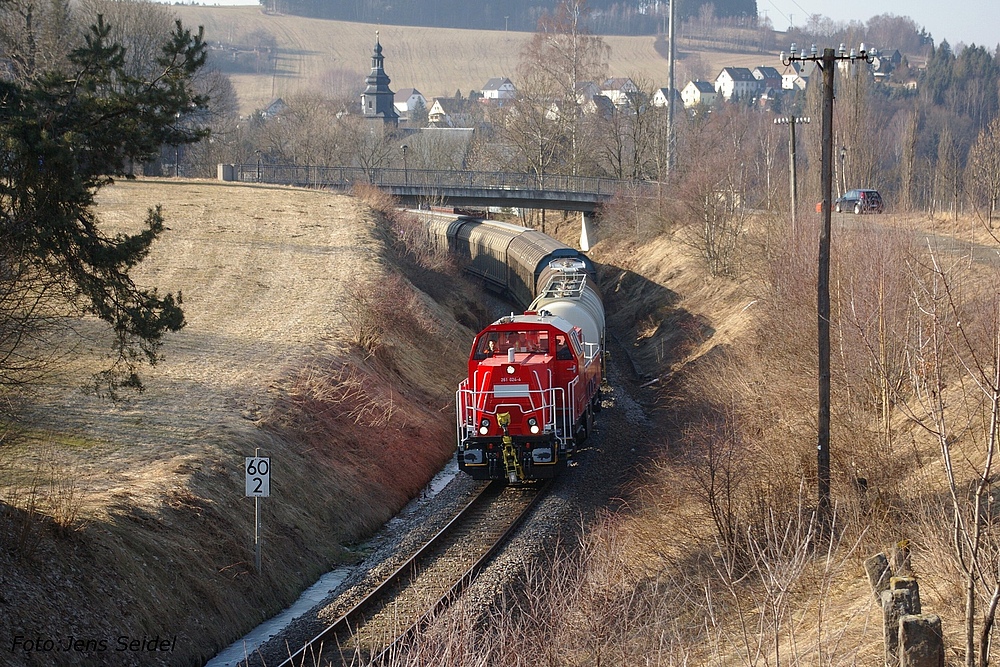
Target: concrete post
x,y
586,230
877,569
921,643
901,599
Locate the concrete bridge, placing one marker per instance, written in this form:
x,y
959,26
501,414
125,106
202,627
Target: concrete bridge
x,y
415,187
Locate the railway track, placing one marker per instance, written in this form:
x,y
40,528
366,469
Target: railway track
x,y
383,621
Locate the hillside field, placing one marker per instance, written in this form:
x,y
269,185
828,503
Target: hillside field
x,y
334,57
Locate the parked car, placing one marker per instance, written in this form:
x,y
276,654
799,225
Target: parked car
x,y
860,201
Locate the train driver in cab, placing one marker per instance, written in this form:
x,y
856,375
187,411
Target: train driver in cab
x,y
488,347
563,352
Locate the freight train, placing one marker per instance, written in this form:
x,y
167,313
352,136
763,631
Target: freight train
x,y
534,379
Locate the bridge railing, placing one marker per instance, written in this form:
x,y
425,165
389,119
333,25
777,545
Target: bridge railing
x,y
345,177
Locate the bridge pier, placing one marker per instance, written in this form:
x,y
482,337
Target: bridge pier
x,y
586,229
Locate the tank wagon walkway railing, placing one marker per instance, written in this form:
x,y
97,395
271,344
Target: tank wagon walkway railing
x,y
458,188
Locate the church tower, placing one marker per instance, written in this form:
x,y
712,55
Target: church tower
x,y
377,100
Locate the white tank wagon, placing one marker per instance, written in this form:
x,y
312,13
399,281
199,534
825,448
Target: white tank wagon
x,y
568,291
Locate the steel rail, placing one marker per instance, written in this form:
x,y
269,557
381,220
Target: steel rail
x,y
366,608
466,579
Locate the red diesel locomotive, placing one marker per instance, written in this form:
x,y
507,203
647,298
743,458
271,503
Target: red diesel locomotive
x,y
534,381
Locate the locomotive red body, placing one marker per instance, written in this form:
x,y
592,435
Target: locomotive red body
x,y
534,382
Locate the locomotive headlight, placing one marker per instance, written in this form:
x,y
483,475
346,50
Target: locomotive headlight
x,y
510,370
533,425
484,426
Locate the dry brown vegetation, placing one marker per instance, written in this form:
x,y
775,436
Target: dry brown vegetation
x,y
716,557
914,362
130,519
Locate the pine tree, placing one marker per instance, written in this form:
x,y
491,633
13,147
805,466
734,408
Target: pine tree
x,y
65,135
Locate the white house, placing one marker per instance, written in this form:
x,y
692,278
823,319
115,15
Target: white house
x,y
698,92
449,112
585,91
498,89
275,108
620,90
660,97
736,82
406,100
769,77
795,76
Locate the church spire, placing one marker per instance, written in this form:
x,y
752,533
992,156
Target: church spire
x,y
378,100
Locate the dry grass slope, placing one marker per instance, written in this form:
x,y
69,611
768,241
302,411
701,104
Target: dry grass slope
x,y
136,522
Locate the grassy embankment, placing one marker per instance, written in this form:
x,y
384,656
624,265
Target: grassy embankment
x,y
129,520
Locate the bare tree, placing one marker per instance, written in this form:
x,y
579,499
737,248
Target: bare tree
x,y
908,161
717,181
139,25
983,170
560,56
34,35
536,129
857,126
948,173
955,377
627,138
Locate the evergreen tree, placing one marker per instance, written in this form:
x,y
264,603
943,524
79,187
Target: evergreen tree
x,y
937,76
66,133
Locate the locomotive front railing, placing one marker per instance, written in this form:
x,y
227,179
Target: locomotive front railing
x,y
555,403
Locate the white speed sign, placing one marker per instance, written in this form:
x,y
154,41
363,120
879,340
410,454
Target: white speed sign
x,y
258,469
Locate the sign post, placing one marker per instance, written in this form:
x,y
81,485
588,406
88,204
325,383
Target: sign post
x,y
258,485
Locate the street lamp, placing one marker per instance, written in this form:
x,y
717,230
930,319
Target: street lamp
x,y
791,121
843,170
177,151
406,174
826,63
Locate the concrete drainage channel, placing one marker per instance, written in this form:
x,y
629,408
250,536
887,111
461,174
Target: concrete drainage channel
x,y
316,594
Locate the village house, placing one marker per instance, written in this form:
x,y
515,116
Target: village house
x,y
661,96
698,93
449,112
499,89
620,90
795,76
275,108
585,91
736,82
407,99
769,77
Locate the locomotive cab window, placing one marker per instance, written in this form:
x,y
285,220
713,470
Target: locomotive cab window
x,y
488,346
563,353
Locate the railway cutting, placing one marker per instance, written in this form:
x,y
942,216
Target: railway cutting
x,y
382,622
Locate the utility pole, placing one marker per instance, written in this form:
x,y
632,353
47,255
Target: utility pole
x,y
670,88
826,62
791,121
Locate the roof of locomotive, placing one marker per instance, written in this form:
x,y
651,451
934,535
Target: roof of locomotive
x,y
541,318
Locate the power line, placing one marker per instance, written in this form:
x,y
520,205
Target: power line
x,y
779,11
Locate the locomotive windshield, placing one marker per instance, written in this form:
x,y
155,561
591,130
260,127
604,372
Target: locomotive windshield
x,y
528,341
